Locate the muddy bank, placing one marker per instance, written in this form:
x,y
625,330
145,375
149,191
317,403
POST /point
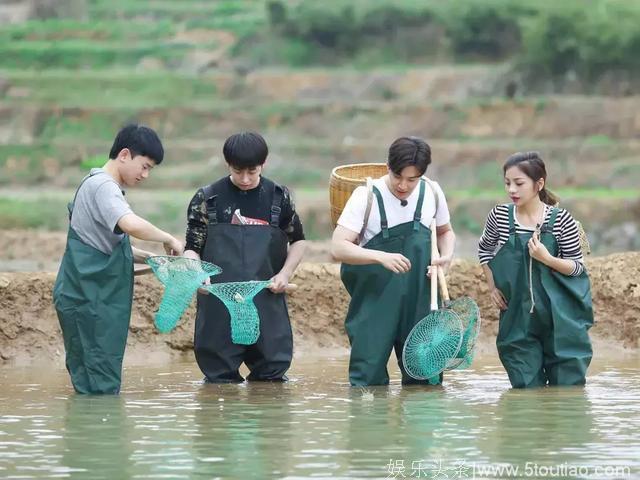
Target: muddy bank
x,y
41,250
29,331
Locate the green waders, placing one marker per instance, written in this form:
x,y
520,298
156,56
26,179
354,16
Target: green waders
x,y
92,296
385,306
551,344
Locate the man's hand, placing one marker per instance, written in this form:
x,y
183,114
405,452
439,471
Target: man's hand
x,y
443,262
190,254
205,282
173,246
279,283
395,262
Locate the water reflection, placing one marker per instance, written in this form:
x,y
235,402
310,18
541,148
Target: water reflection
x,y
414,430
558,422
168,425
250,424
96,438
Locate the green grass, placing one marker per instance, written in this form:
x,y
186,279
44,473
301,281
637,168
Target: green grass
x,y
83,54
116,90
499,195
564,193
64,165
168,8
46,208
106,34
26,165
166,207
97,161
599,140
68,141
55,30
44,214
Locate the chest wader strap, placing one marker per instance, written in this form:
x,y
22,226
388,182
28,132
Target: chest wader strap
x,y
418,213
211,201
276,209
512,225
72,203
367,210
383,215
548,226
512,243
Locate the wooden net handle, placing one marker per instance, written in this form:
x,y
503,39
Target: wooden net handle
x,y
434,268
444,289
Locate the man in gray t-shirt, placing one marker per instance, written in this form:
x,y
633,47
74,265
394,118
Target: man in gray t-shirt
x,y
93,292
98,206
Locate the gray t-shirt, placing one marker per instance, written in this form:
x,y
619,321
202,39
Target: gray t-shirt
x,y
98,206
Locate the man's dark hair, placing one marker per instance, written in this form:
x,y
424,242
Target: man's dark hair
x,y
409,152
245,150
140,140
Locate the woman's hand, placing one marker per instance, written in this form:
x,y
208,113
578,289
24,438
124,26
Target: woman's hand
x,y
537,249
498,299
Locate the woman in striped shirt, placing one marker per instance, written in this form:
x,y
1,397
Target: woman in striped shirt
x,y
530,253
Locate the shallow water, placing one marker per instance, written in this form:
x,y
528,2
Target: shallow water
x,y
167,424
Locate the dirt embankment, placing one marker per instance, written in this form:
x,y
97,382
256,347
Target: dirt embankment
x,y
41,251
29,331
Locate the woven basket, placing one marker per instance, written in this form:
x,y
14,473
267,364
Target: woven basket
x,y
585,246
344,180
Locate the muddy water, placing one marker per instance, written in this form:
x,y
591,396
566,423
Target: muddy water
x,y
167,424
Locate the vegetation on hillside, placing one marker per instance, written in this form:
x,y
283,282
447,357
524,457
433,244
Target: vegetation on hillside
x,y
583,41
350,75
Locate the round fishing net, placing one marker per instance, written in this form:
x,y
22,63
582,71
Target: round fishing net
x,y
432,342
238,298
467,309
181,277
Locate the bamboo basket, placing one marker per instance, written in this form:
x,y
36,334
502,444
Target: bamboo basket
x,y
344,180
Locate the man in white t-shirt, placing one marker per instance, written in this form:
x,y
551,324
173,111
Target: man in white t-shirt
x,y
385,260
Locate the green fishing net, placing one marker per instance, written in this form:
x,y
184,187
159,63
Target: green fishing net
x,y
432,342
181,277
467,309
238,298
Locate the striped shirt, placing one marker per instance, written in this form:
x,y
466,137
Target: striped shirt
x,y
496,234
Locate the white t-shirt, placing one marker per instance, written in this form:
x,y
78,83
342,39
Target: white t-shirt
x,y
352,217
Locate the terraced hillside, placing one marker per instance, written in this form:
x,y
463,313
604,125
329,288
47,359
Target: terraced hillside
x,y
197,72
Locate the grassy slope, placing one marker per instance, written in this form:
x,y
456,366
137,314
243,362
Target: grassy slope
x,y
73,83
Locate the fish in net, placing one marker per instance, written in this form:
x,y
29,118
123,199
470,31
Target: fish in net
x,y
238,298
